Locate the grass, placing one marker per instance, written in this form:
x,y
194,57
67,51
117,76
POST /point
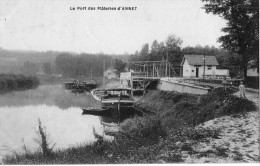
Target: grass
x,y
163,135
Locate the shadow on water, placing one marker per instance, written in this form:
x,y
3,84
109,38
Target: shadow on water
x,y
113,113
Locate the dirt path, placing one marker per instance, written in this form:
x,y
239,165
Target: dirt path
x,y
238,141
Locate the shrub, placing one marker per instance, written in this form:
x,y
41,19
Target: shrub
x,y
10,82
141,131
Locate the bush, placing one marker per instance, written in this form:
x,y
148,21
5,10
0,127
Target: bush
x,y
185,133
10,82
179,109
141,131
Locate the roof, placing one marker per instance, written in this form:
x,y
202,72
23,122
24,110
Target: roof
x,y
198,60
117,89
111,69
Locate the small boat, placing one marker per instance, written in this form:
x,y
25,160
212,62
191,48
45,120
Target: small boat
x,y
69,85
90,85
116,98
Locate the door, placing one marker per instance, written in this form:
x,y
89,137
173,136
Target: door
x,y
197,72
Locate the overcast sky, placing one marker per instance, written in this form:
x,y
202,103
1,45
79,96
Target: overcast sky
x,y
50,25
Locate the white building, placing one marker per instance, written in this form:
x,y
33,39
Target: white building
x,y
193,66
252,71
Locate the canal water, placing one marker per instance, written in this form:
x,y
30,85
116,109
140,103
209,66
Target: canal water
x,y
59,111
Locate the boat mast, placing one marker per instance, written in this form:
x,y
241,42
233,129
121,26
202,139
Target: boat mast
x,y
118,108
91,73
104,73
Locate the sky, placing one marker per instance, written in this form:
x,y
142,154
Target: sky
x,y
42,25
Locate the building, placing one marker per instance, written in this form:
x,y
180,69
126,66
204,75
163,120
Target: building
x,y
253,70
193,66
110,73
252,79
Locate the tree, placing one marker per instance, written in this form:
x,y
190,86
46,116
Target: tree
x,y
173,43
154,55
173,49
144,53
242,30
119,66
47,68
29,68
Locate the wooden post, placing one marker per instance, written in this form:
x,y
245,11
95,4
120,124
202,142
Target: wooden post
x,y
143,87
166,63
165,68
132,87
204,66
119,99
144,68
153,69
104,83
169,70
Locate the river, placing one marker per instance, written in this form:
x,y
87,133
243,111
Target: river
x,y
59,111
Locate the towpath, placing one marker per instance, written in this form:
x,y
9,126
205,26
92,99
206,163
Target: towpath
x,y
238,140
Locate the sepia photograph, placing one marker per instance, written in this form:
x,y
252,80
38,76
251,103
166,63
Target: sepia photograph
x,y
129,82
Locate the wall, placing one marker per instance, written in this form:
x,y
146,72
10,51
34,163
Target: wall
x,y
165,85
252,72
187,70
223,72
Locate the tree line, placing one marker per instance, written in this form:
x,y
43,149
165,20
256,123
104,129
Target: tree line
x,y
240,44
10,82
81,65
171,49
242,28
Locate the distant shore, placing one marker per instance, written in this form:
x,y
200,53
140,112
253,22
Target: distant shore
x,y
11,82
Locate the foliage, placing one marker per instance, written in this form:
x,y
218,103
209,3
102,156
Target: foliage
x,y
29,68
160,51
152,138
47,68
10,82
175,109
119,66
171,48
141,131
43,141
80,65
242,30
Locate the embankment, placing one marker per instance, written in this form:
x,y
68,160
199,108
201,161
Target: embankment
x,y
192,109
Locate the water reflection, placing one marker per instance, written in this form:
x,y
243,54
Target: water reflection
x,y
59,111
52,95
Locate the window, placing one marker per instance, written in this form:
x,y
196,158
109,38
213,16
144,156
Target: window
x,y
192,70
209,67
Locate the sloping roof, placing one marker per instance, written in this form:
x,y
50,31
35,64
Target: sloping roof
x,y
198,60
111,69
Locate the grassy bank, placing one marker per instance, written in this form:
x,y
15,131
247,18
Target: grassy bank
x,y
10,82
166,134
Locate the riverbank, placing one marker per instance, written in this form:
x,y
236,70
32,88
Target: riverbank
x,y
11,82
169,133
